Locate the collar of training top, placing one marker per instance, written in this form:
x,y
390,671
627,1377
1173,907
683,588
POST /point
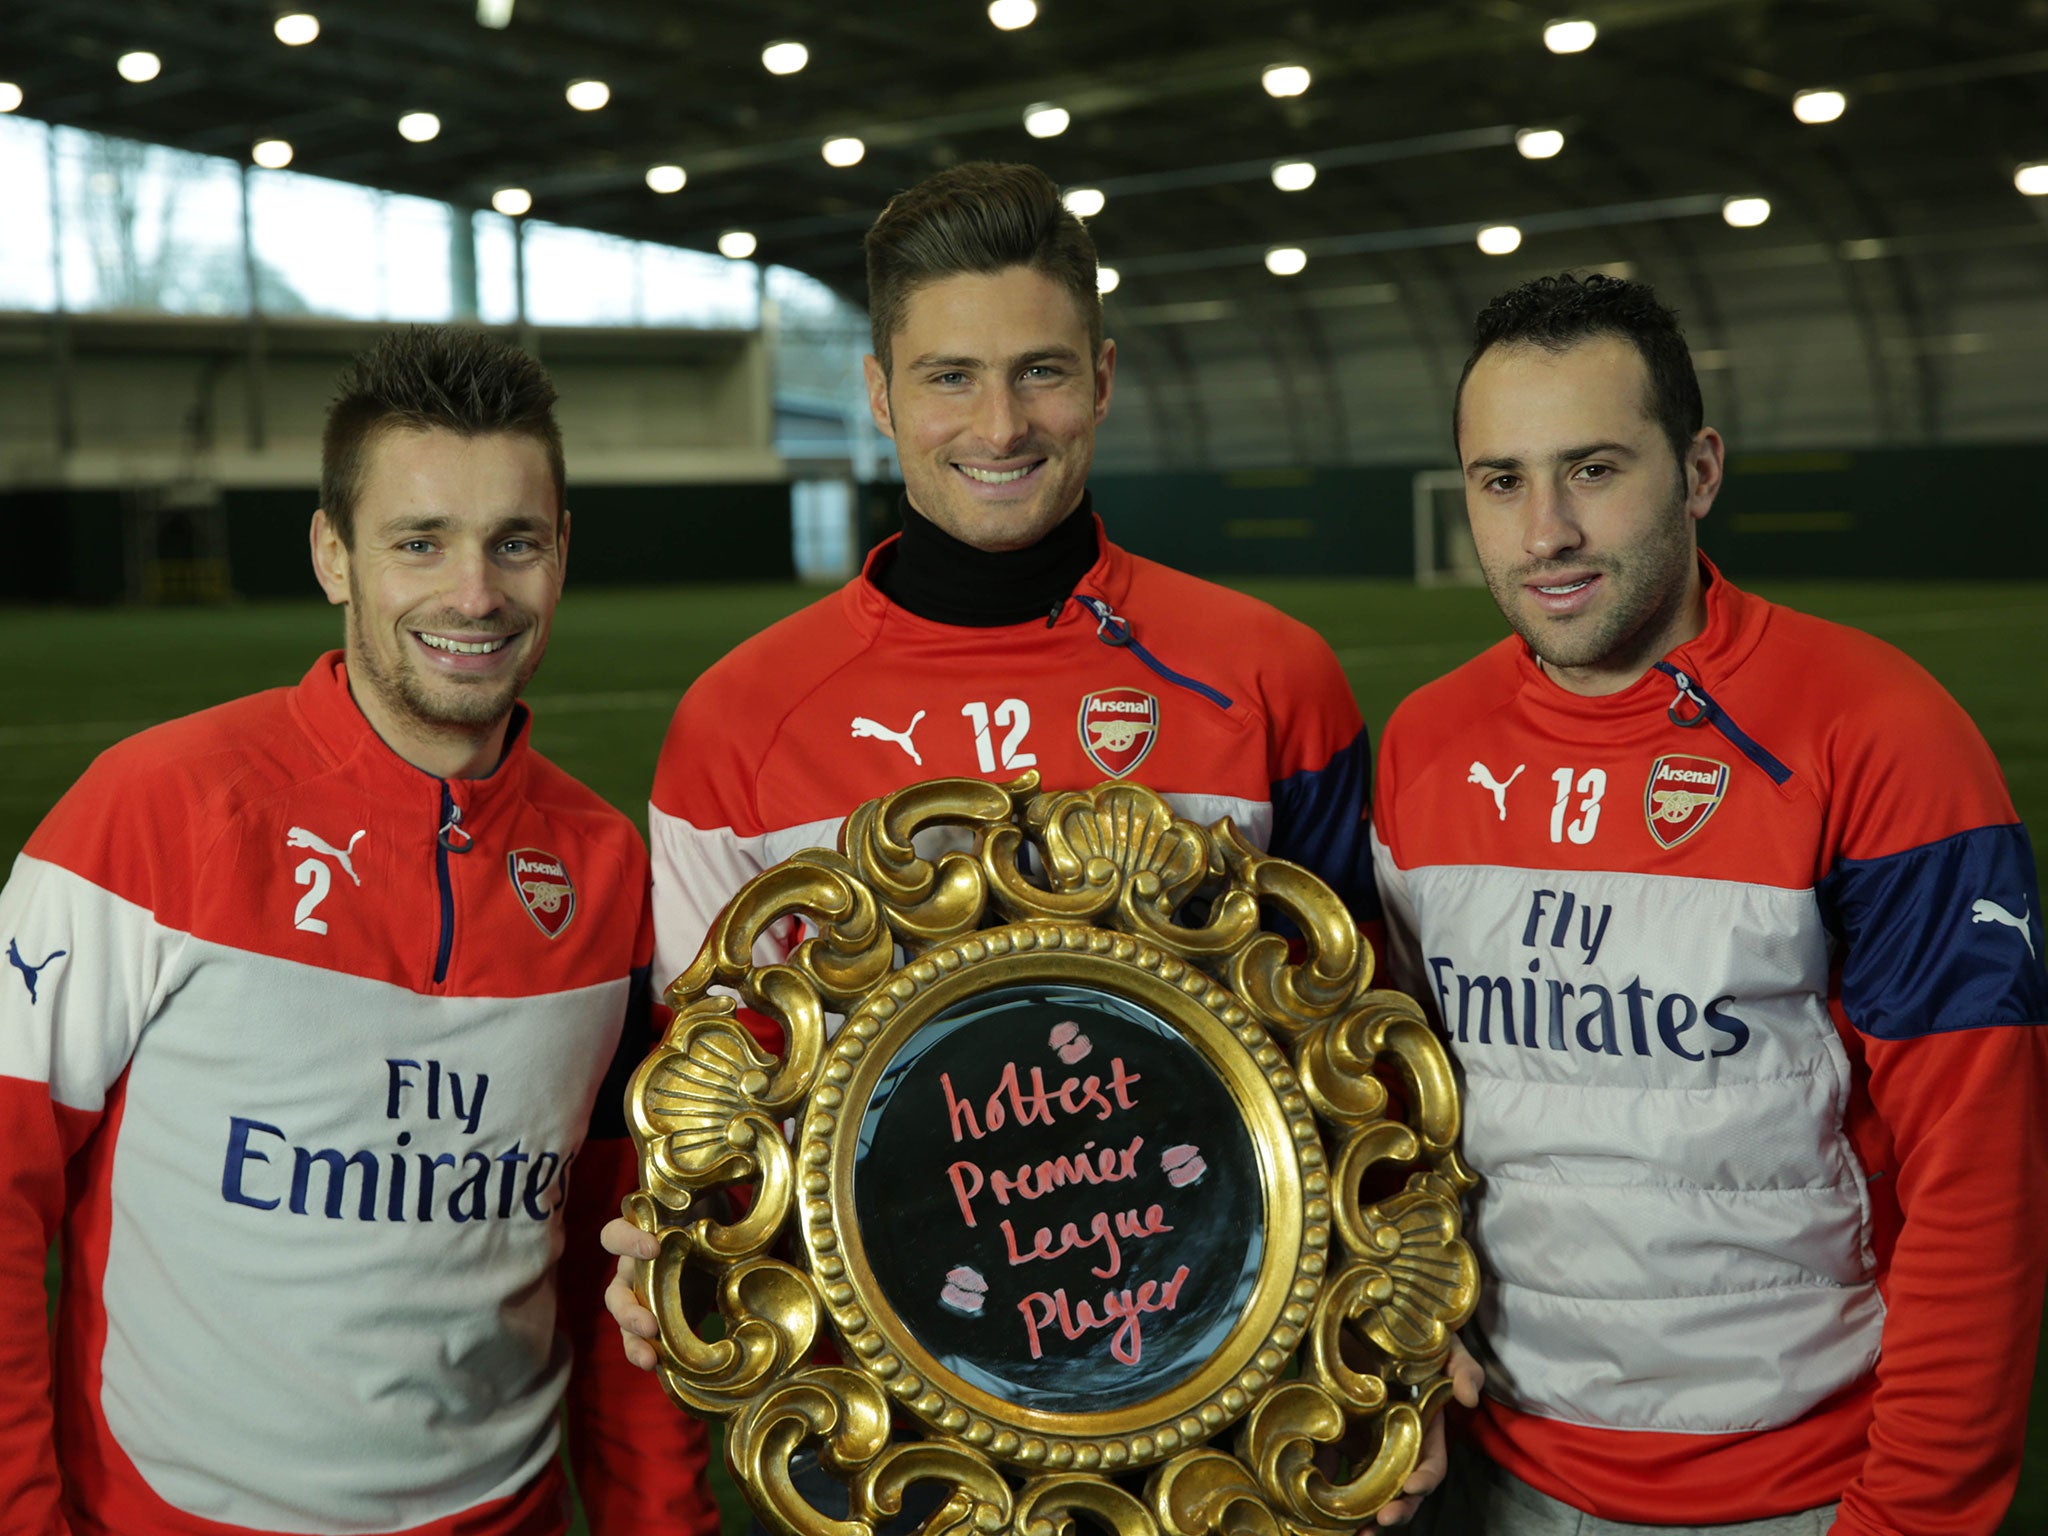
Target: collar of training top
x,y
937,577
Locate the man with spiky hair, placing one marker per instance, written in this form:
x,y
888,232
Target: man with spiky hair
x,y
1729,920
321,995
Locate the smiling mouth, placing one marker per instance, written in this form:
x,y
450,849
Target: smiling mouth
x,y
1568,587
462,647
997,476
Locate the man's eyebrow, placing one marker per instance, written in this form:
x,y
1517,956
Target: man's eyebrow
x,y
1593,450
939,360
1050,354
1562,456
1503,463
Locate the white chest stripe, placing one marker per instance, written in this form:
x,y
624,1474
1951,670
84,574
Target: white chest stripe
x,y
1655,1097
338,1198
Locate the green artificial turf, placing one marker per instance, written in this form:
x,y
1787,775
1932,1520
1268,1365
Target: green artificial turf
x,y
76,680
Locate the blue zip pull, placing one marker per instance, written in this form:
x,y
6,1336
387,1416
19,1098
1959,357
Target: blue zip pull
x,y
1707,712
452,836
1703,707
1112,629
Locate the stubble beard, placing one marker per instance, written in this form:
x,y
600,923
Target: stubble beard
x,y
458,709
1646,593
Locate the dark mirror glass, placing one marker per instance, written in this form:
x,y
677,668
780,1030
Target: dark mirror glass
x,y
1059,1197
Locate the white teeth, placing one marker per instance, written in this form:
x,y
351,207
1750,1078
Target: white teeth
x,y
995,476
464,647
1561,591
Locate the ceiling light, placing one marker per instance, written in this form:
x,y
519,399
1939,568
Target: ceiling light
x,y
495,14
843,152
588,95
666,178
138,66
1819,106
1084,202
1043,120
736,244
1293,175
1746,212
1286,260
418,127
297,29
10,96
272,154
2031,179
784,58
512,201
1106,279
1009,15
1569,36
1284,79
1500,239
1538,143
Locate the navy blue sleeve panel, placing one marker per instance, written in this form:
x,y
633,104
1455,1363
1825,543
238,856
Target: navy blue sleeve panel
x,y
636,1039
1319,822
1941,937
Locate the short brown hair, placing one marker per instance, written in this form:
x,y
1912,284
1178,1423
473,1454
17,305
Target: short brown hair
x,y
977,217
426,377
1558,312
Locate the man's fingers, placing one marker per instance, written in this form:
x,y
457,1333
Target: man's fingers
x,y
639,1353
624,1240
1467,1375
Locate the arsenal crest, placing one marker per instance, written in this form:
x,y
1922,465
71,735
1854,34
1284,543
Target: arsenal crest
x,y
544,888
1681,795
1118,727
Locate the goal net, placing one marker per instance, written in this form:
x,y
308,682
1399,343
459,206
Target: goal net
x,y
1444,554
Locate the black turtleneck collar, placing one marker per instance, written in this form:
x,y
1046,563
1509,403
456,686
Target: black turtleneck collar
x,y
937,577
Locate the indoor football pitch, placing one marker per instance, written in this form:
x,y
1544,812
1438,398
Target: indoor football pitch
x,y
76,680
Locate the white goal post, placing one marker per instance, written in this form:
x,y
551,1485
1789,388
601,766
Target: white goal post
x,y
1444,552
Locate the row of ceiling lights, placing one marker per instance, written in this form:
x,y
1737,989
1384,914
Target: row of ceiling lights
x,y
1041,120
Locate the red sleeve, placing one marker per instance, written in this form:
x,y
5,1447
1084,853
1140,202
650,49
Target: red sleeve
x,y
640,1461
80,970
1945,1003
1963,1294
39,1138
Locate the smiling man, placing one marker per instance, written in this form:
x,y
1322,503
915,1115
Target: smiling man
x,y
1697,887
1003,631
335,975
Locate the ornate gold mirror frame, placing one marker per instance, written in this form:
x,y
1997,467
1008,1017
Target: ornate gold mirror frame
x,y
1246,1198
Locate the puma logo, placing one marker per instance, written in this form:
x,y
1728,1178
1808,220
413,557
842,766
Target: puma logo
x,y
29,973
1988,911
299,837
862,726
1497,788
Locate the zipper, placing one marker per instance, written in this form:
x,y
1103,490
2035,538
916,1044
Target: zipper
x,y
1705,711
1113,629
450,839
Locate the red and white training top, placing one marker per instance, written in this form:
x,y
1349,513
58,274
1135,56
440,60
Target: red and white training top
x,y
1216,700
1742,970
300,1045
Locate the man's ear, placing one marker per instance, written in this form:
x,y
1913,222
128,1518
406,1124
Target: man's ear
x,y
878,395
1705,469
562,552
1105,378
330,558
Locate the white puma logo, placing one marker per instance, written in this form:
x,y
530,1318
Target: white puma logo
x,y
1499,790
299,837
1988,911
862,726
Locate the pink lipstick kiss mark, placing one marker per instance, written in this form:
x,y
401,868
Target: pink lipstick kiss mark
x,y
964,1290
1183,1165
1069,1042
